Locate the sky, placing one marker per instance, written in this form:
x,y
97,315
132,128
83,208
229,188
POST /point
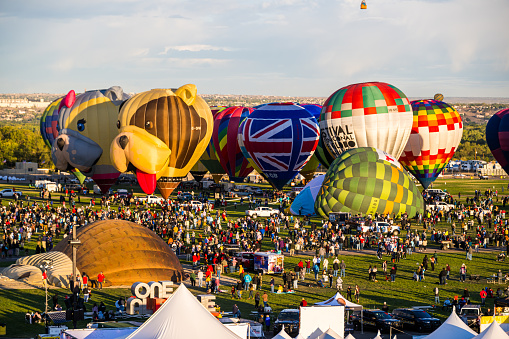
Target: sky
x,y
281,47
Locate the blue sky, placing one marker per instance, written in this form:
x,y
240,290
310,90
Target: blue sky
x,y
280,47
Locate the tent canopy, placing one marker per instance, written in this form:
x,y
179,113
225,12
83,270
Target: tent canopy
x,y
453,327
494,331
329,334
282,335
339,300
182,317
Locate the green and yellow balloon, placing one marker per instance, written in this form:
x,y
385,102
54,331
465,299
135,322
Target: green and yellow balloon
x,y
366,180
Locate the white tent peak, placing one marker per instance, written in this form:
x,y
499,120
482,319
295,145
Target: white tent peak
x,y
178,317
339,300
329,334
378,335
453,327
349,336
494,331
282,334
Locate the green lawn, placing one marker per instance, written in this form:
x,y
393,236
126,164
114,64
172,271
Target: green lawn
x,y
404,292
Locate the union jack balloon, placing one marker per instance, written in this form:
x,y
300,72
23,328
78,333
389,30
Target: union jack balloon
x,y
278,140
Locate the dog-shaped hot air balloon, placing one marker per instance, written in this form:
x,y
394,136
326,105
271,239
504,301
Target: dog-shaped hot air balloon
x,y
162,134
88,126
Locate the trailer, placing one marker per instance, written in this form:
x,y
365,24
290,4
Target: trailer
x,y
269,262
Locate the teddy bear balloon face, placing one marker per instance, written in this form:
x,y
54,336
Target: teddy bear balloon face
x,y
161,135
88,126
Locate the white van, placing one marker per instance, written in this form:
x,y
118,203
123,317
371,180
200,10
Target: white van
x,y
51,186
436,191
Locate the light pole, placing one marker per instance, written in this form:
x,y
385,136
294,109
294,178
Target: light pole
x,y
45,264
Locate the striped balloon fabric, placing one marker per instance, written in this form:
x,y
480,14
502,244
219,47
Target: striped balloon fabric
x,y
225,143
48,123
497,137
368,181
371,114
436,133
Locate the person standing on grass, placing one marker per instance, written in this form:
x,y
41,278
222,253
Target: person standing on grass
x,y
357,293
393,272
265,299
483,295
463,272
100,280
437,298
342,268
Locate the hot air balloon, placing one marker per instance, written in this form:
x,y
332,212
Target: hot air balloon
x,y
304,202
278,140
368,181
439,97
48,122
436,133
198,171
308,171
50,129
363,4
162,134
225,143
209,158
88,125
371,114
497,132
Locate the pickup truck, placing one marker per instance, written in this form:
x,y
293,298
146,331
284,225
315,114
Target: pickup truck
x,y
10,193
261,212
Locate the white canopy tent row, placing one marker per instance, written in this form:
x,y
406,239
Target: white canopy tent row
x,y
339,300
453,328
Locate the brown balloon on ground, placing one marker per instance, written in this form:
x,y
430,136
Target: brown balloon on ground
x,y
125,252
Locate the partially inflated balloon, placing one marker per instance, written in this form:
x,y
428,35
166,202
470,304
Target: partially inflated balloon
x,y
497,137
162,134
436,133
88,125
368,181
304,202
373,114
278,140
226,146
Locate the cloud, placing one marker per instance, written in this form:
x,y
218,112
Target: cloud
x,y
195,48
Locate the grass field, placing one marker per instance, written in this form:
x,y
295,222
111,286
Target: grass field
x,y
404,292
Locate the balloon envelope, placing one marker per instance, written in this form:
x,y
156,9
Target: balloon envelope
x,y
436,133
278,140
304,202
226,145
373,114
368,181
497,137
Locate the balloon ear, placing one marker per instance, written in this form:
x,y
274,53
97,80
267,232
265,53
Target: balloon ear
x,y
187,93
69,99
114,93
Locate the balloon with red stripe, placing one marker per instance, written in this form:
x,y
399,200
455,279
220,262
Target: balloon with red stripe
x,y
224,140
278,140
497,137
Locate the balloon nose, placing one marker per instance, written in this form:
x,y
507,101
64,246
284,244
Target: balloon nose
x,y
60,143
123,140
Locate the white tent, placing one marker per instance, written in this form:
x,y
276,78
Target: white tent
x,y
97,333
329,334
282,335
350,336
494,331
339,300
182,317
378,335
453,327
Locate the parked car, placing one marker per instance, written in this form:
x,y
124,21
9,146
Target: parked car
x,y
290,319
261,212
196,204
123,193
375,319
10,193
416,319
184,196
